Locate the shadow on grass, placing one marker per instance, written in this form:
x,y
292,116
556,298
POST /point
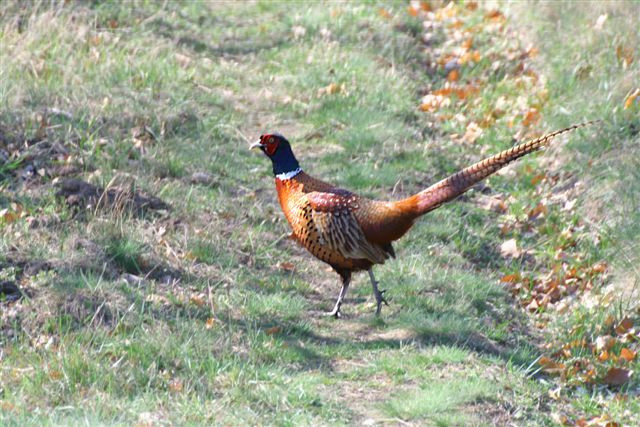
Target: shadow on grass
x,y
228,47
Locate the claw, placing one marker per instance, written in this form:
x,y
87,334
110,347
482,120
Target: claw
x,y
335,313
382,298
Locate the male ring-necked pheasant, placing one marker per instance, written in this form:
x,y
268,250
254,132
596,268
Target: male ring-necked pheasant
x,y
352,233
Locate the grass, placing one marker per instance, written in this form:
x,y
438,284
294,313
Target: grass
x,y
206,313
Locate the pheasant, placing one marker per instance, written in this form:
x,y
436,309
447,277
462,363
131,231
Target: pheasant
x,y
352,233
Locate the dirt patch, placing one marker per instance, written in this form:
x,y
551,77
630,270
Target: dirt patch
x,y
9,292
491,413
80,194
29,160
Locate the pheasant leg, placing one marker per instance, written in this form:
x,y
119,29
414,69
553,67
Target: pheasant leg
x,y
379,294
336,309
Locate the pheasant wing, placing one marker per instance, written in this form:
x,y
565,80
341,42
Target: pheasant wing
x,y
332,215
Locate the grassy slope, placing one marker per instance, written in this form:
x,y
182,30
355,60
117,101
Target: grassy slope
x,y
451,349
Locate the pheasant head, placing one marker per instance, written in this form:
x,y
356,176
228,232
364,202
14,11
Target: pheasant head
x,y
278,149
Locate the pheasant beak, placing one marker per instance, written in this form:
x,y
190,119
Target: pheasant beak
x,y
257,144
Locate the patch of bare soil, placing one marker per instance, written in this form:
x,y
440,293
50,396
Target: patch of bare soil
x,y
80,194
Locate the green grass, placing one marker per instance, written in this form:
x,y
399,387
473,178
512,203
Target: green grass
x,y
207,313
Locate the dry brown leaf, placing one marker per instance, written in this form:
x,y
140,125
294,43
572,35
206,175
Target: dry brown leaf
x,y
617,376
414,8
7,216
624,325
472,133
510,278
287,266
536,179
600,267
273,330
625,55
549,366
540,209
384,13
55,375
176,386
531,117
631,98
210,323
627,354
197,300
333,89
494,15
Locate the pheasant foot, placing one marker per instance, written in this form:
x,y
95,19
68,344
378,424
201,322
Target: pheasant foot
x,y
379,294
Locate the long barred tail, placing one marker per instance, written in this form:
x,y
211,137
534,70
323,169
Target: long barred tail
x,y
456,184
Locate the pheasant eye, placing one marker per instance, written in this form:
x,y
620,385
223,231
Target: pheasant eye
x,y
271,145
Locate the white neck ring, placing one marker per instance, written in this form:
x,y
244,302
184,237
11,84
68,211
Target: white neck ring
x,y
288,175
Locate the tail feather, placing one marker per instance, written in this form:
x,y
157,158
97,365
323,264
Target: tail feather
x,y
456,184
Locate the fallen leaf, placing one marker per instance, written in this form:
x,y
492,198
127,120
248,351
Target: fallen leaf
x,y
510,278
624,325
509,248
298,31
549,366
604,342
210,323
472,133
273,330
414,8
287,266
55,375
176,386
617,376
494,15
7,216
600,267
533,305
531,117
431,102
625,55
384,13
197,300
332,89
600,21
540,209
536,179
627,354
631,98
